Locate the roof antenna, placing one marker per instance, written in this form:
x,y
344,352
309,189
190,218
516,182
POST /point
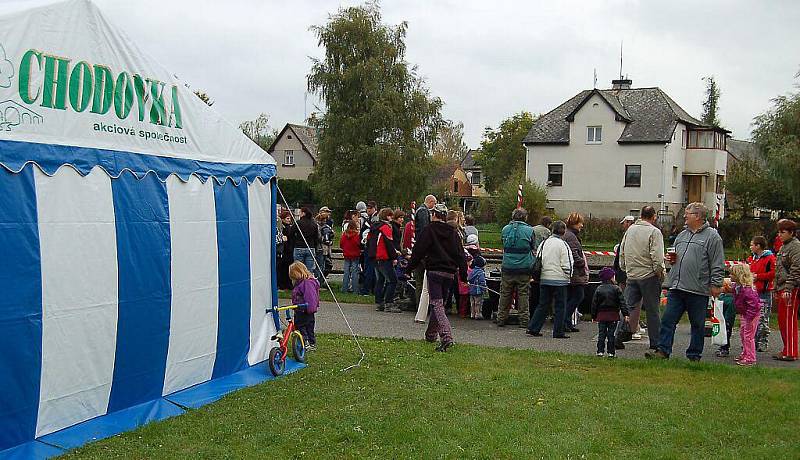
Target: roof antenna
x,y
620,59
595,78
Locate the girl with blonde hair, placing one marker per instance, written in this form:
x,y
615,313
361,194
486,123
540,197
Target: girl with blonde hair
x,y
748,305
306,290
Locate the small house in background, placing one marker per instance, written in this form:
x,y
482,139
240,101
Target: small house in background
x,y
607,152
295,151
474,174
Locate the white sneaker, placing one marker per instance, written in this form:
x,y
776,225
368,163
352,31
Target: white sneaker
x,y
636,336
600,355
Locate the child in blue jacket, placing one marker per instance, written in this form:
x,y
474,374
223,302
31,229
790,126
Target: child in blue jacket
x,y
477,287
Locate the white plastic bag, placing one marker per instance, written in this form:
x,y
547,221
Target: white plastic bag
x,y
424,301
719,333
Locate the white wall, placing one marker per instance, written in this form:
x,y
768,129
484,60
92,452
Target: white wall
x,y
596,173
303,164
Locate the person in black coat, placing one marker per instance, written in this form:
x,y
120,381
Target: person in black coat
x,y
607,304
439,249
304,235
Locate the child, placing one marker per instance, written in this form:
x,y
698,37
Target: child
x,y
477,287
607,304
350,243
748,305
306,290
402,277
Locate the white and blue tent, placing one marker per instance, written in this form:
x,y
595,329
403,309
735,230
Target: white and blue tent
x,y
137,238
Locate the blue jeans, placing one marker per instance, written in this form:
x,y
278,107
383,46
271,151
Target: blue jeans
x,y
350,275
546,293
368,276
605,336
386,282
679,302
575,294
306,256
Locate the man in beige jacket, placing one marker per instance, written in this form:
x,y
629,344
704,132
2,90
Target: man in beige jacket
x,y
642,258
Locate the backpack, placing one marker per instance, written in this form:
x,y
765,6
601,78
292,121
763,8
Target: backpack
x,y
372,239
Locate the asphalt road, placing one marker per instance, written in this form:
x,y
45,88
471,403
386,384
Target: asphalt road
x,y
370,323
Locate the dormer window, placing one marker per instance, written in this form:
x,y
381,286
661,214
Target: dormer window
x,y
594,134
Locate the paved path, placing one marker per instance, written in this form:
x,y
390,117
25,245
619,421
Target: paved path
x,y
370,323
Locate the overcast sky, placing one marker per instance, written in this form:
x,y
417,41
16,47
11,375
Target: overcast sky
x,y
485,59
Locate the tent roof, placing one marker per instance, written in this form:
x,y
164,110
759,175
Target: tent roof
x,y
75,90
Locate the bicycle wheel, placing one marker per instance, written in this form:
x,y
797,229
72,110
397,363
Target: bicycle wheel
x,y
276,362
298,347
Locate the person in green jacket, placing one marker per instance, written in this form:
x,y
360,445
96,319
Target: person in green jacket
x,y
516,271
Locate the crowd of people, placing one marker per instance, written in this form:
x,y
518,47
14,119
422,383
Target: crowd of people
x,y
433,261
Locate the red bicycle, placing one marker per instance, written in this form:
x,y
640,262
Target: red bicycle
x,y
277,355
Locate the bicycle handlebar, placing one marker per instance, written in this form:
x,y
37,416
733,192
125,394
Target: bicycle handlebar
x,y
287,307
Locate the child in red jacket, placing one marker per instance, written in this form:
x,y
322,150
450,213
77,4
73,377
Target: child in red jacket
x,y
762,265
350,242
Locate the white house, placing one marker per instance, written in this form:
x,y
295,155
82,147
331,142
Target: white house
x,y
606,153
295,151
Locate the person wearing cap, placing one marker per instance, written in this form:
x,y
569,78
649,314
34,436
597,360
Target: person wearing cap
x,y
641,257
469,226
439,249
517,267
607,305
620,277
368,218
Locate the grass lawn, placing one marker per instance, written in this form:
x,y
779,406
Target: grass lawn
x,y
406,401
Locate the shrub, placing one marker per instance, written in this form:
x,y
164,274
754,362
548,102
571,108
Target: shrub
x,y
505,201
297,192
737,233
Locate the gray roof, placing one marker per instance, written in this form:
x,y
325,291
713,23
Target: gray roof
x,y
650,115
742,150
469,161
307,135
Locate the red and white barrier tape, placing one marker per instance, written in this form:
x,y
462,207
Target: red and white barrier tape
x,y
728,263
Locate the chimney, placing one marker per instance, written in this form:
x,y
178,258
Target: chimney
x,y
621,84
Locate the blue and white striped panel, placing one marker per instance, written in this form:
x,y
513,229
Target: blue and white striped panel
x,y
120,291
20,308
79,296
195,283
262,327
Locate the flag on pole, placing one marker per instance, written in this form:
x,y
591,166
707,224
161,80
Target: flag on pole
x,y
519,196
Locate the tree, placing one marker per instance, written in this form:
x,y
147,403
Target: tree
x,y
380,121
772,178
711,104
534,198
450,146
259,131
502,153
204,97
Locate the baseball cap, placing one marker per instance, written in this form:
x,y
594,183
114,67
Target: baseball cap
x,y
324,209
472,238
628,218
440,209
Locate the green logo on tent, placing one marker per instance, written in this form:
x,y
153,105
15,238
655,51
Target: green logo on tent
x,y
96,88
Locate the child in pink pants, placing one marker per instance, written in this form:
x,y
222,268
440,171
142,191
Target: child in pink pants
x,y
748,306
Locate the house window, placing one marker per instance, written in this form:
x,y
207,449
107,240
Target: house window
x,y
476,178
555,174
706,140
455,185
674,176
288,157
633,175
594,135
